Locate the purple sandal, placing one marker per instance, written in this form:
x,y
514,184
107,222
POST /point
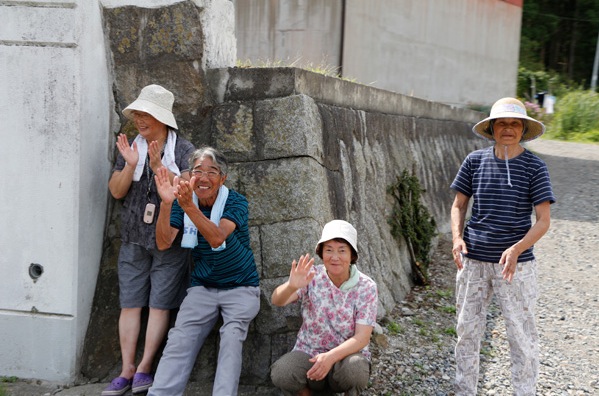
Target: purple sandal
x,y
118,387
142,382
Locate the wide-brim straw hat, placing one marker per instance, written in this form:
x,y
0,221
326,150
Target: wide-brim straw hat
x,y
510,108
339,229
156,101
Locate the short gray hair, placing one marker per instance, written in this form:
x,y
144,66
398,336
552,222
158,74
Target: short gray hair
x,y
216,156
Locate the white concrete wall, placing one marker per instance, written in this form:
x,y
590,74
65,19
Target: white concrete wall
x,y
293,32
54,112
456,52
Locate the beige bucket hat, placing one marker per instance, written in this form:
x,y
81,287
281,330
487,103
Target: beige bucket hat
x,y
510,108
156,101
339,229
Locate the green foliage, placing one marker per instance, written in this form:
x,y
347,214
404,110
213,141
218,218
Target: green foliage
x,y
543,81
576,117
394,328
450,309
560,36
450,331
11,379
411,221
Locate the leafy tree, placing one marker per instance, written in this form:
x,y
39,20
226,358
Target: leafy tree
x,y
560,37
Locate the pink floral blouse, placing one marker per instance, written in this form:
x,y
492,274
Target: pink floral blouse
x,y
330,315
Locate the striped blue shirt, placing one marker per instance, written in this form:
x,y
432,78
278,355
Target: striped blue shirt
x,y
501,215
231,267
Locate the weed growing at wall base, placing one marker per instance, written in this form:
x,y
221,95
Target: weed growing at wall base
x,y
3,391
412,222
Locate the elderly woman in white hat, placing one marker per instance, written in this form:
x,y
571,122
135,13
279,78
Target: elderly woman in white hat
x,y
339,308
493,251
147,276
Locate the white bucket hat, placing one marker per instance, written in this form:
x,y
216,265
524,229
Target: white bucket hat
x,y
156,101
510,108
339,229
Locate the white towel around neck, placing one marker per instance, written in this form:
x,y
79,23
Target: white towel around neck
x,y
190,231
168,159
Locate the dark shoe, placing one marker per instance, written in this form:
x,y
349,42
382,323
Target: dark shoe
x,y
142,382
118,387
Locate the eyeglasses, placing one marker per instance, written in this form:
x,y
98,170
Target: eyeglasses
x,y
209,174
140,115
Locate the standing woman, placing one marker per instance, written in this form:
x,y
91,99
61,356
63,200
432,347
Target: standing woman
x,y
338,307
493,250
147,276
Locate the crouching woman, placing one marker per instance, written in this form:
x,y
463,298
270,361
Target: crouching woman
x,y
338,308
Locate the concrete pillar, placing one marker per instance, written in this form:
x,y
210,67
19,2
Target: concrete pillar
x,y
54,112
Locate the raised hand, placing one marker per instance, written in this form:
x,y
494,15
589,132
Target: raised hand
x,y
129,153
154,151
301,272
184,193
163,185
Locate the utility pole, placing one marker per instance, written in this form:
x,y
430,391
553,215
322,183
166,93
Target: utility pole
x,y
595,65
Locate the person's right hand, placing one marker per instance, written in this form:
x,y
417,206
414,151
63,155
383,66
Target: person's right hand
x,y
301,272
458,251
163,185
129,153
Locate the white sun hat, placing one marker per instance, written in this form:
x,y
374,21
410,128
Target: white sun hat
x,y
156,101
510,108
339,229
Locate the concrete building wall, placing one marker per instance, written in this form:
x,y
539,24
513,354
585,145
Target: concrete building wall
x,y
293,31
462,52
55,113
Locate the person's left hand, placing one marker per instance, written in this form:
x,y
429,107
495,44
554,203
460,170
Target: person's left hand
x,y
184,193
154,151
323,363
509,260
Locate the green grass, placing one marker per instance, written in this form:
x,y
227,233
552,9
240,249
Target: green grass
x,y
450,331
394,328
576,118
487,352
448,309
447,293
321,68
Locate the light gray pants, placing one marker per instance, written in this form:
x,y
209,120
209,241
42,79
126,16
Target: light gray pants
x,y
348,375
475,284
198,314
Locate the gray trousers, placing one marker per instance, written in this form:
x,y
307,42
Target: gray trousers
x,y
348,375
198,314
475,285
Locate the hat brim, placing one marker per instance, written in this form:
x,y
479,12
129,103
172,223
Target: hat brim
x,y
161,114
534,128
339,229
